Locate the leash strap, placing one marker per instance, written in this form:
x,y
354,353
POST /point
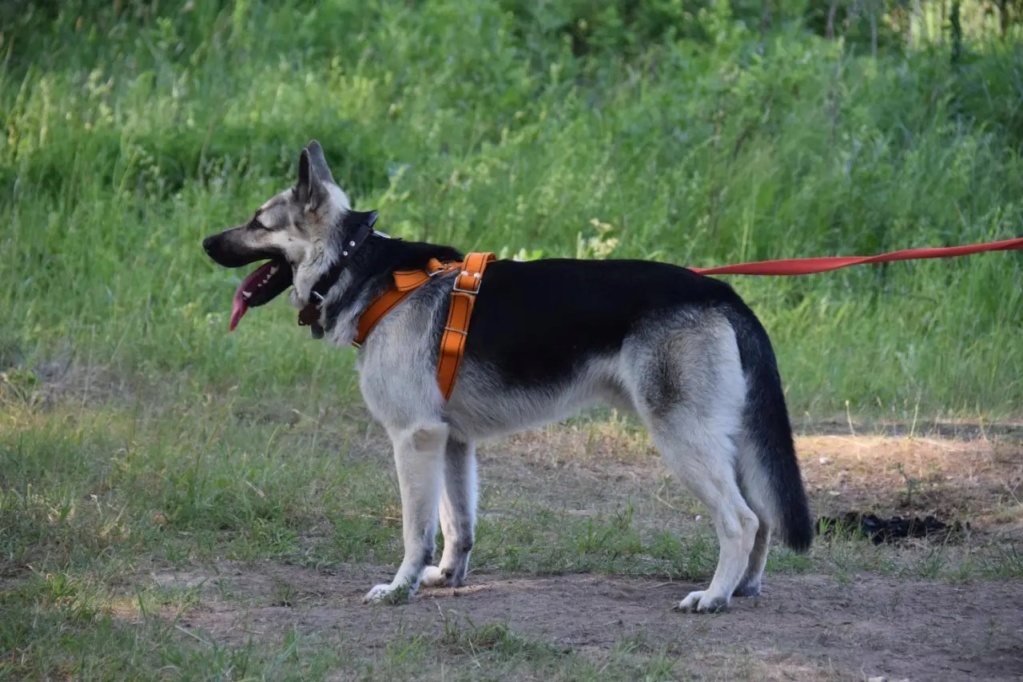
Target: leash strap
x,y
807,266
456,331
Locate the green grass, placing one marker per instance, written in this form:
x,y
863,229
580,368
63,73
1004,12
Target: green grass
x,y
137,434
95,499
55,637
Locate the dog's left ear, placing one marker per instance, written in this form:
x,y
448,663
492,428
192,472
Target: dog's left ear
x,y
356,219
313,176
369,218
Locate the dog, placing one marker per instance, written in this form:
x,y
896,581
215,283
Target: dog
x,y
547,337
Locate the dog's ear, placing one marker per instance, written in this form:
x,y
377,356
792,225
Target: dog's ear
x,y
305,178
319,163
313,176
356,219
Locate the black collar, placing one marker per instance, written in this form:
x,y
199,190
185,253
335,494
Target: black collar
x,y
356,227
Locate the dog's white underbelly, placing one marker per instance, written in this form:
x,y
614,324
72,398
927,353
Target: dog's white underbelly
x,y
486,409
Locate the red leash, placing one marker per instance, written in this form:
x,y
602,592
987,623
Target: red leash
x,y
807,266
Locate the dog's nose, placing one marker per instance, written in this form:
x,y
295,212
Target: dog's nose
x,y
207,245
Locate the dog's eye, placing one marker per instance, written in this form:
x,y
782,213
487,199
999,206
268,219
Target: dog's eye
x,y
256,225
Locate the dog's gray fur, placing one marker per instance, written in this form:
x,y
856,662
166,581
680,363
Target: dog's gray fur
x,y
698,377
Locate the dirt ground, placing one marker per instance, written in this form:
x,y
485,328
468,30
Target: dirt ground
x,y
818,625
803,627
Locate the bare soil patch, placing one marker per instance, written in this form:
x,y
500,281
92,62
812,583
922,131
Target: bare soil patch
x,y
976,481
803,627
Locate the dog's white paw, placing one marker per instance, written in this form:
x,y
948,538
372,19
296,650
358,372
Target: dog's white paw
x,y
435,576
701,602
388,593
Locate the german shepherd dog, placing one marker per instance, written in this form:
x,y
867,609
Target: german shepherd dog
x,y
681,350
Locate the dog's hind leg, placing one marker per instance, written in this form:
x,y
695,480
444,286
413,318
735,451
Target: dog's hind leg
x,y
751,484
752,580
419,459
689,388
703,461
457,515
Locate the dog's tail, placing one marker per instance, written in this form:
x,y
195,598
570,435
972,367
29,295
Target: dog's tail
x,y
768,469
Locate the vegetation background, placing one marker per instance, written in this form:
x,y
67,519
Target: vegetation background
x,y
701,132
698,133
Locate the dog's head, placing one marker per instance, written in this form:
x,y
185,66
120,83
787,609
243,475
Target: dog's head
x,y
294,233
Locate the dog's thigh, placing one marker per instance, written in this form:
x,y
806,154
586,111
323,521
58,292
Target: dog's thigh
x,y
457,515
419,460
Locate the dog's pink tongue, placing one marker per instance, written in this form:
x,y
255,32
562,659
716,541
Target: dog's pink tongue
x,y
238,308
254,280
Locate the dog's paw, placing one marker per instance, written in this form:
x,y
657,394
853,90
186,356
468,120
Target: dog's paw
x,y
435,576
388,594
701,602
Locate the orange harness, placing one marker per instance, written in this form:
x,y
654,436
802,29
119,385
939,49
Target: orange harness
x,y
456,330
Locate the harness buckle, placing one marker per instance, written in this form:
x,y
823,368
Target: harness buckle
x,y
476,281
442,269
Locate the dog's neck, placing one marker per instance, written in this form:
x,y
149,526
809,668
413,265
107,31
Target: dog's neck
x,y
351,236
367,275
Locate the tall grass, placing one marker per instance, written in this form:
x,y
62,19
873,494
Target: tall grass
x,y
131,135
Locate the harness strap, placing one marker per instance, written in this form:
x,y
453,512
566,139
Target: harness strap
x,y
405,282
456,331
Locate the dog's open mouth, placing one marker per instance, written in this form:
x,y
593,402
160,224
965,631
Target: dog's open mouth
x,y
266,283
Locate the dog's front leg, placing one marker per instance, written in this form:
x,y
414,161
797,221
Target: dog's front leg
x,y
457,515
419,459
